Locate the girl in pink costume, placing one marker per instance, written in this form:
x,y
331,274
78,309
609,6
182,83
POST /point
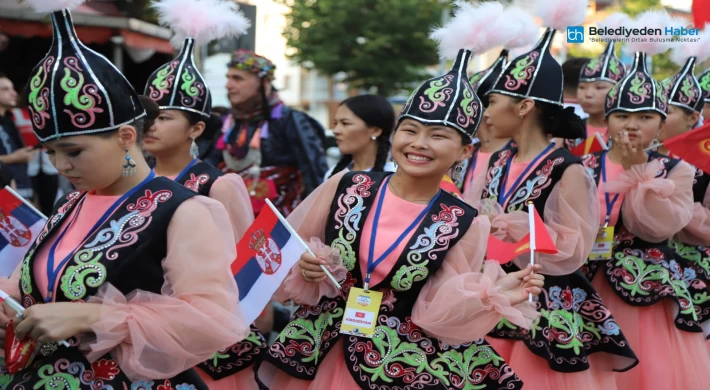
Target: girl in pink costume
x,y
577,343
185,115
114,269
647,198
421,247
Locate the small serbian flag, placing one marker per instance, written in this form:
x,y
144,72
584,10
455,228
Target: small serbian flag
x,y
693,147
594,143
449,186
20,223
504,252
265,255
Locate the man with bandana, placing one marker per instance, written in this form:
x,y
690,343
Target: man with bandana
x,y
278,151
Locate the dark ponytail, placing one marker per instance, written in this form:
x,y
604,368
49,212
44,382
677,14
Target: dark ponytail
x,y
375,111
213,124
559,122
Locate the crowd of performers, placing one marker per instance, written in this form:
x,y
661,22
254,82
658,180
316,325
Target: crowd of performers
x,y
133,268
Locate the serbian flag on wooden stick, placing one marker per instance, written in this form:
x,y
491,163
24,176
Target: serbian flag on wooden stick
x,y
693,147
594,143
504,252
20,223
265,254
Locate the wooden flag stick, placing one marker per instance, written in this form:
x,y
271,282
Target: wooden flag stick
x,y
531,223
300,240
654,145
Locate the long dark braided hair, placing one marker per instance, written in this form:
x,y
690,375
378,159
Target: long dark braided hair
x,y
375,111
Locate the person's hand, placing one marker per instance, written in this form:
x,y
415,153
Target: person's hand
x,y
6,313
631,151
309,266
517,285
50,322
22,156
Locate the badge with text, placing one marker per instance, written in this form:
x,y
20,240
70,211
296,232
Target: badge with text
x,y
604,244
361,313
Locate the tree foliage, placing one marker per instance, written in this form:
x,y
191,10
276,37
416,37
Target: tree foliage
x,y
377,43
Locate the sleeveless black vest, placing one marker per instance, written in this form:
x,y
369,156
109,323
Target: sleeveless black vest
x,y
567,331
126,251
200,178
643,273
400,355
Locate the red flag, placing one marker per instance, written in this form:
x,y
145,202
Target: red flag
x,y
701,12
693,147
594,143
449,186
504,252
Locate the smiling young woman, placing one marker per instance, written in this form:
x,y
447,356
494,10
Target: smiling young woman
x,y
114,269
420,247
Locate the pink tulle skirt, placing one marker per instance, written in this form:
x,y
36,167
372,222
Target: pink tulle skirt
x,y
332,374
243,380
669,358
536,373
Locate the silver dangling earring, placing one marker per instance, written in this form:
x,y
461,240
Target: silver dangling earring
x,y
129,168
194,150
458,173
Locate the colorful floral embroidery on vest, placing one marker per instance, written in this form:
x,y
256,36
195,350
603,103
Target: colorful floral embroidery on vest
x,y
495,175
532,189
194,182
347,217
440,233
88,270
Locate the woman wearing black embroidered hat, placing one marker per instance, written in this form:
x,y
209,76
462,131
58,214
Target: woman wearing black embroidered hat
x,y
114,269
576,344
415,249
185,104
646,198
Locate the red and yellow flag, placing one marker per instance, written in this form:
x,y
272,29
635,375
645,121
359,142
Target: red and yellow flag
x,y
448,185
592,144
504,252
693,147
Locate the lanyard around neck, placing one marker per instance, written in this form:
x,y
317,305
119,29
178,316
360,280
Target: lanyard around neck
x,y
186,169
52,272
371,265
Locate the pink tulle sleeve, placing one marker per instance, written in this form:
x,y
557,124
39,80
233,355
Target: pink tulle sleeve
x,y
473,194
160,335
655,209
461,302
571,217
309,220
232,193
698,230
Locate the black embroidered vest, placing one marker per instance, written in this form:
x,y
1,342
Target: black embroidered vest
x,y
126,251
230,360
400,355
700,185
643,273
574,321
200,178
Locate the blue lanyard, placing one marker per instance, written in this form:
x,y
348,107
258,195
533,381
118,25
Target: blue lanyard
x,y
609,202
503,195
372,265
52,272
187,168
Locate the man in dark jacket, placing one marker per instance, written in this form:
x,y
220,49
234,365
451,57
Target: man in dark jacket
x,y
279,151
13,154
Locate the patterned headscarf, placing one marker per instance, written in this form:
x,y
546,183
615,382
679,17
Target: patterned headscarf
x,y
249,61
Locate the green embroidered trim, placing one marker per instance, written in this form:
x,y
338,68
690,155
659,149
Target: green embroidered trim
x,y
49,380
692,254
476,78
72,87
346,239
504,323
519,71
393,350
188,86
407,275
705,82
687,88
434,92
468,98
161,82
464,364
614,66
36,84
25,275
573,325
310,331
88,272
637,89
